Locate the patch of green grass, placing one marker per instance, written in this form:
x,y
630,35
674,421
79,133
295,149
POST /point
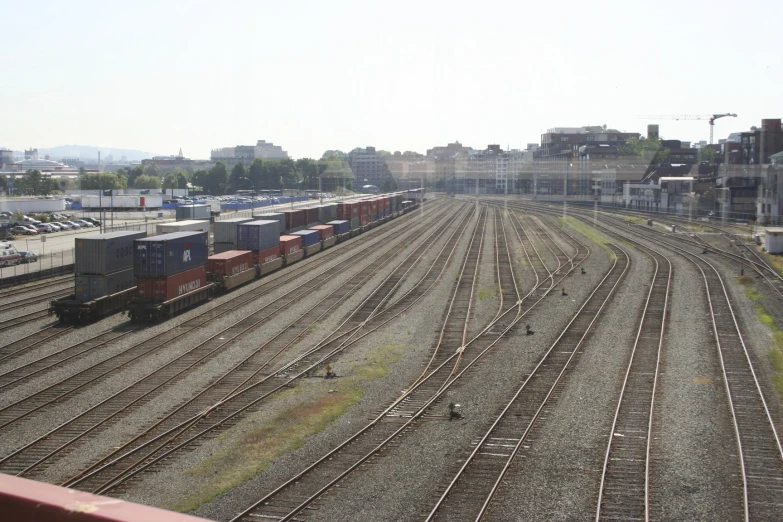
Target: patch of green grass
x,y
589,232
775,261
487,293
775,353
257,447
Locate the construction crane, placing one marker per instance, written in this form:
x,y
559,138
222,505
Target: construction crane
x,y
711,117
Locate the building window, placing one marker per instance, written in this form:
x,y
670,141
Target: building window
x,y
564,138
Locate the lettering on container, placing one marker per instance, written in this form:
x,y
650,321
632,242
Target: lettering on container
x,y
186,256
240,268
189,287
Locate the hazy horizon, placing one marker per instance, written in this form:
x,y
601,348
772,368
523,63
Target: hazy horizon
x,y
317,76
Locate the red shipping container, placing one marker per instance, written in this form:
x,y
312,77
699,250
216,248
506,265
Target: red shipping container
x,y
159,289
312,215
364,220
268,255
290,244
365,209
231,262
373,206
295,218
327,231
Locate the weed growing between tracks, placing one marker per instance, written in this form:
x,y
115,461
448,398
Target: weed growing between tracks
x,y
305,411
776,352
589,232
487,293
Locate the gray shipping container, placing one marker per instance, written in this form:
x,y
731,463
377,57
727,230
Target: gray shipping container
x,y
189,225
327,212
226,230
103,254
219,248
91,287
187,212
258,235
277,216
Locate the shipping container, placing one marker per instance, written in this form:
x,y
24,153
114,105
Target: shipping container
x,y
219,248
169,254
90,287
160,289
295,219
105,253
230,263
326,231
187,212
191,225
312,215
364,209
309,237
290,244
327,212
122,201
258,235
277,216
267,256
340,226
226,231
349,210
355,223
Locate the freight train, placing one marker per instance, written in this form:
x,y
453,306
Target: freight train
x,y
173,271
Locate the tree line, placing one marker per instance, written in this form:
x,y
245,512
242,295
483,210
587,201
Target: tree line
x,y
260,175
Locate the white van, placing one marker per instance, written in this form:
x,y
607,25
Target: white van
x,y
9,256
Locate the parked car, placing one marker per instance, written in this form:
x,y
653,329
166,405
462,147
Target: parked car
x,y
23,230
83,223
63,225
9,255
28,257
44,228
72,223
55,227
94,221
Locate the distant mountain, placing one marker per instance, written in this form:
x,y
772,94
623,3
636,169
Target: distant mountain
x,y
86,152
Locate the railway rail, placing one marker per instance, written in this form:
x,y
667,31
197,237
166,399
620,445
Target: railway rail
x,y
471,491
250,372
759,449
289,500
19,461
224,413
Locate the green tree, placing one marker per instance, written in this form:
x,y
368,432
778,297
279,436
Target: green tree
x,y
707,154
147,182
102,181
151,169
217,180
170,181
200,178
134,173
3,182
35,184
182,179
237,173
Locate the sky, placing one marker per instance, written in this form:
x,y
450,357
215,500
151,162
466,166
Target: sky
x,y
403,75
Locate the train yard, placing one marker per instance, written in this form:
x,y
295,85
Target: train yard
x,y
473,359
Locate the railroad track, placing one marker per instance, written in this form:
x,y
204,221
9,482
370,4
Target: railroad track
x,y
291,498
225,413
624,490
29,301
16,290
759,450
471,491
27,318
26,459
60,390
249,371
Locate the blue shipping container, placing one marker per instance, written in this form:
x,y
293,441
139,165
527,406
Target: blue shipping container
x,y
258,235
309,237
169,254
340,226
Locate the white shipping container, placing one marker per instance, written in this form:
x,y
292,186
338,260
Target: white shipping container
x,y
226,230
191,225
31,205
123,201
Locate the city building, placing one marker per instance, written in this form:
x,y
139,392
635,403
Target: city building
x,y
566,141
411,170
247,153
6,158
167,164
489,171
368,167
